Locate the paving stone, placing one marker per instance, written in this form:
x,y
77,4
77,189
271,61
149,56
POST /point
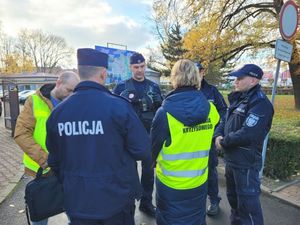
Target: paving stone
x,y
10,163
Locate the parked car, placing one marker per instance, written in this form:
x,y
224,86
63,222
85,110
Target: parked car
x,y
23,95
23,92
1,95
0,107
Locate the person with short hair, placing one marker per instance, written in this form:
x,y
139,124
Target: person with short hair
x,y
181,136
213,95
241,136
94,140
30,131
145,97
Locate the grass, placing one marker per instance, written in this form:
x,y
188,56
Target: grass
x,y
286,120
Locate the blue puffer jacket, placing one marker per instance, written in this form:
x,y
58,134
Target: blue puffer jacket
x,y
247,122
187,104
181,207
94,139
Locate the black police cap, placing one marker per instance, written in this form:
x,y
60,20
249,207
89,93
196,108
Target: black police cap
x,y
137,58
91,57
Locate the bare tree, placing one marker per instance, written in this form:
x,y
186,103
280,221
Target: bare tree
x,y
46,50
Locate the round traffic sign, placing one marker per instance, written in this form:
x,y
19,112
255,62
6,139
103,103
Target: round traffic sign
x,y
288,20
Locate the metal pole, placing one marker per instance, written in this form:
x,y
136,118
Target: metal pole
x,y
264,151
111,44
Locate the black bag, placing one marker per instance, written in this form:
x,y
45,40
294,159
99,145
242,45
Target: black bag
x,y
43,197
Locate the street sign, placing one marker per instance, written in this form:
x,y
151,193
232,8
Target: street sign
x,y
283,50
289,20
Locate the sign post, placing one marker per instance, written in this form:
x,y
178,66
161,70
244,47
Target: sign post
x,y
288,26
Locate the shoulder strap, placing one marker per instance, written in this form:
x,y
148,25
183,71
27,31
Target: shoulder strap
x,y
129,85
148,85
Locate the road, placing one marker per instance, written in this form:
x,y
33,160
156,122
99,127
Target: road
x,y
275,211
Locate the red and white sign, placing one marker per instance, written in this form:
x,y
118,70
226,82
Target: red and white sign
x,y
289,20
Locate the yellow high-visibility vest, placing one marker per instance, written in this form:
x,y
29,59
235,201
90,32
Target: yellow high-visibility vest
x,y
41,112
184,163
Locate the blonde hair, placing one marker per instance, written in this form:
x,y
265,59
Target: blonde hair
x,y
185,73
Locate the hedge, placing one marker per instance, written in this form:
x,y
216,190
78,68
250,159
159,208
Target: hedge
x,y
283,155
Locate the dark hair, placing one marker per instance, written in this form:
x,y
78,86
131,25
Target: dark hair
x,y
86,72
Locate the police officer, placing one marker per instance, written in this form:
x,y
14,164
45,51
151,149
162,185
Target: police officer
x,y
241,135
145,97
213,95
93,148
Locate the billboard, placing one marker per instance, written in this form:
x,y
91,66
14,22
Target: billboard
x,y
118,64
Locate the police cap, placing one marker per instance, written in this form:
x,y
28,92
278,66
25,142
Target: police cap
x,y
251,70
137,58
91,57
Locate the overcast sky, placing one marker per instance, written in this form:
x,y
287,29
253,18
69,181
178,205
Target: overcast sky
x,y
83,23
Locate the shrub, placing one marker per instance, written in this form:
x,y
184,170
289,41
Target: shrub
x,y
283,156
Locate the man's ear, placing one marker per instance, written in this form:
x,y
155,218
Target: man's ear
x,y
58,82
255,81
103,74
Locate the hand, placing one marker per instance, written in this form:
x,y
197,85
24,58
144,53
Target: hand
x,y
218,143
44,165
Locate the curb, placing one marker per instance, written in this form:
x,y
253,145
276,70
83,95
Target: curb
x,y
280,197
267,191
5,192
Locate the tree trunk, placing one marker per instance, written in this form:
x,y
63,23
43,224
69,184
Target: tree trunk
x,y
295,75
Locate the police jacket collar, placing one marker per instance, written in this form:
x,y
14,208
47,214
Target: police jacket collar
x,y
204,83
86,85
233,96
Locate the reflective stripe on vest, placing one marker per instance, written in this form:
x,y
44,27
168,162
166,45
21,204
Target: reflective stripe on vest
x,y
186,173
190,155
41,112
183,164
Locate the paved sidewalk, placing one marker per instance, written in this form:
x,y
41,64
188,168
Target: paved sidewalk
x,y
288,191
11,167
11,171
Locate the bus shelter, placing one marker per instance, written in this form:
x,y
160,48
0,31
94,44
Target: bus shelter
x,y
9,96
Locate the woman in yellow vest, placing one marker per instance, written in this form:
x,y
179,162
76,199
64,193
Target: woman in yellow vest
x,y
181,135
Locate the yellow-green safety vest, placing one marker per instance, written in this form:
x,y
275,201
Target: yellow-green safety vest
x,y
41,112
183,164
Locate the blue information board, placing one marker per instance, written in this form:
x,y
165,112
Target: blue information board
x,y
118,64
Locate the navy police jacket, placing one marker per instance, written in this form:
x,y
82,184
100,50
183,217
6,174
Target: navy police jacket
x,y
186,104
247,122
94,139
139,86
145,97
213,95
